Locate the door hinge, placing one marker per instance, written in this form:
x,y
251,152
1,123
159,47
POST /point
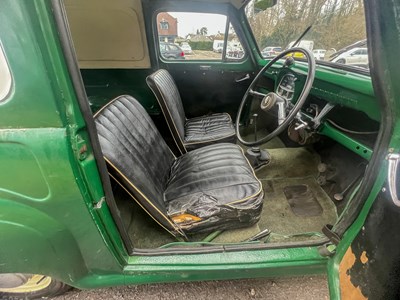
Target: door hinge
x,y
99,204
81,147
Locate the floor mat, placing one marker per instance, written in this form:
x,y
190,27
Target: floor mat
x,y
302,201
278,216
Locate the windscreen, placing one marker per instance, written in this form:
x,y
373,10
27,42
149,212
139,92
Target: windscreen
x,y
337,33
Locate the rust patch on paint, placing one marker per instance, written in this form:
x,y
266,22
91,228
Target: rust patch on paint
x,y
364,258
347,289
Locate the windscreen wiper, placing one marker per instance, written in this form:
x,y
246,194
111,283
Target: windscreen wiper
x,y
301,36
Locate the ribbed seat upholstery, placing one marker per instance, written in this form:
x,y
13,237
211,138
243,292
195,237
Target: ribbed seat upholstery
x,y
192,133
214,181
210,188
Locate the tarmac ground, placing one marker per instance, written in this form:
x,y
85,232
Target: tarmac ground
x,y
306,287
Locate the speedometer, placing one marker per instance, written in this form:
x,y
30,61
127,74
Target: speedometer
x,y
286,86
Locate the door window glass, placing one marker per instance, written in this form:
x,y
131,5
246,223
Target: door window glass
x,y
197,36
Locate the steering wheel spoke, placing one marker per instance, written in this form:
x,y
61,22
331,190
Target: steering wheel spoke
x,y
283,100
281,112
255,93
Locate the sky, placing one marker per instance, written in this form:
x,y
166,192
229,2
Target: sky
x,y
190,22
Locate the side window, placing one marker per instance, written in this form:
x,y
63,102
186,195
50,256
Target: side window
x,y
5,76
358,52
197,36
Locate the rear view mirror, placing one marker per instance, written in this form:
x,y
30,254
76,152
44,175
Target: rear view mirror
x,y
264,4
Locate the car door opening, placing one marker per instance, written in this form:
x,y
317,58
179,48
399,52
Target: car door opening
x,y
317,162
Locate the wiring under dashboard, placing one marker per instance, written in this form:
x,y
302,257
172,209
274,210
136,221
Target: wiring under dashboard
x,y
351,131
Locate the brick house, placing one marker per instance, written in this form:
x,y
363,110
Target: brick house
x,y
167,27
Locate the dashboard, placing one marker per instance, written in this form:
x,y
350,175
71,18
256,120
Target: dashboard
x,y
341,105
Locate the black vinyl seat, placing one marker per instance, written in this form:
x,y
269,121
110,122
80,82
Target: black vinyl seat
x,y
211,188
188,134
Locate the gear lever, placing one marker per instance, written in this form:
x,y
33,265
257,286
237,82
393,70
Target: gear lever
x,y
257,157
255,126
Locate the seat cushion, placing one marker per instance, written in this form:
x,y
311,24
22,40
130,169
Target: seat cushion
x,y
206,130
216,184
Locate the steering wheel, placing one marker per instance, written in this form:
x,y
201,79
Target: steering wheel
x,y
286,112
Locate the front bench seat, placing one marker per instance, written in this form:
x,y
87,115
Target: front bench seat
x,y
188,134
212,188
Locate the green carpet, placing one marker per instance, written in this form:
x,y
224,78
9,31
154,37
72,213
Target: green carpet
x,y
237,235
289,163
289,167
279,218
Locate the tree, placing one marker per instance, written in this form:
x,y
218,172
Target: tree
x,y
203,30
336,23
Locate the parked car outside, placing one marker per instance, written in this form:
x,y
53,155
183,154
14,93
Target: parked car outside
x,y
319,53
306,44
355,56
234,53
271,51
186,48
171,51
218,46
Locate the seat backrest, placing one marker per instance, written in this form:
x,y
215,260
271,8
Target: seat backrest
x,y
136,154
164,88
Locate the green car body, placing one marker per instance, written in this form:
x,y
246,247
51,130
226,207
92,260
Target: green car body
x,y
55,218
